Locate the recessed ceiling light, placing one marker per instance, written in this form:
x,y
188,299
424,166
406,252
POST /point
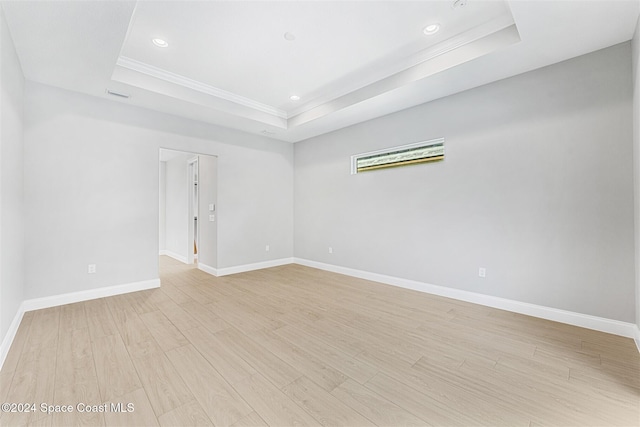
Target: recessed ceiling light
x,y
294,98
431,29
160,42
289,36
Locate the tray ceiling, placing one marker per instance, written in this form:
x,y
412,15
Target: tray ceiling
x,y
237,64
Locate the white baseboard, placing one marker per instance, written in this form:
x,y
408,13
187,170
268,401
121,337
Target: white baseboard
x,y
637,338
162,252
256,266
10,335
175,256
56,300
577,319
208,269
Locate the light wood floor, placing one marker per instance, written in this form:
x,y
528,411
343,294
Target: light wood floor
x,y
296,346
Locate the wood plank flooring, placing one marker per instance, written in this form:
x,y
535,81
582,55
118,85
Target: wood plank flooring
x,y
293,345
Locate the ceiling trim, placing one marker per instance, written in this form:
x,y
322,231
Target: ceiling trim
x,y
445,59
177,79
475,42
178,92
384,70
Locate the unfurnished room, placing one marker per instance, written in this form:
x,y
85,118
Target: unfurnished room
x,y
336,213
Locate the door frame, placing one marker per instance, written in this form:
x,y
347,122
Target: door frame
x,y
192,178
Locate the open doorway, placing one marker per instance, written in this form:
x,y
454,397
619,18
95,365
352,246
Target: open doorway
x,y
192,253
188,203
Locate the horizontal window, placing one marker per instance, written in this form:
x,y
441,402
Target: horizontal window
x,y
419,152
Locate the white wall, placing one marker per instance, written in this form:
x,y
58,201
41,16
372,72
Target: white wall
x,y
177,207
207,193
91,190
537,187
11,181
162,237
635,43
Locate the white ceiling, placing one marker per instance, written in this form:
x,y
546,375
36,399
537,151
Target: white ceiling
x,y
240,46
228,62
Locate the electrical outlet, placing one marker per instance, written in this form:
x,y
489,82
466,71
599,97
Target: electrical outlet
x,y
330,250
266,248
91,269
482,272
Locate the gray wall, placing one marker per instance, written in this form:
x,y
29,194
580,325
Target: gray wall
x,y
11,181
177,206
635,43
537,187
92,190
207,193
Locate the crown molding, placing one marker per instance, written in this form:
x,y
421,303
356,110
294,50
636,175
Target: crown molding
x,y
385,76
177,79
387,68
434,63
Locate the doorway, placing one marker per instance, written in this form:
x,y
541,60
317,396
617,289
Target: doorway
x,y
192,251
188,203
